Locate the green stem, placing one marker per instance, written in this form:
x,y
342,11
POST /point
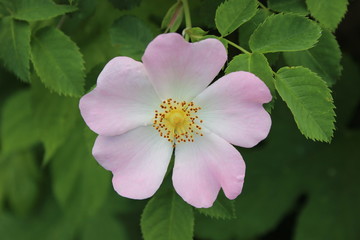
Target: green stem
x,y
237,46
187,16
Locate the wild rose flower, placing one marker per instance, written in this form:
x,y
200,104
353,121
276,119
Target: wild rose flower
x,y
145,111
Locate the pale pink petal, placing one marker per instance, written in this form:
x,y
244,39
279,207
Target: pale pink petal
x,y
232,108
138,159
122,100
203,166
181,70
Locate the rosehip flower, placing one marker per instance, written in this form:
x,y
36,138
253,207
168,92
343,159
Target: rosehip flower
x,y
145,111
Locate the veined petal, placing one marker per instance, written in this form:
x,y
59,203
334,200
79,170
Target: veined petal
x,y
232,108
138,160
181,70
203,166
122,100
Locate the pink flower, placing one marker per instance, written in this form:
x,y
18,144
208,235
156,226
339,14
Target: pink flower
x,y
145,111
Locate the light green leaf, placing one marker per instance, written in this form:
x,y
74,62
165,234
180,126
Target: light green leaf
x,y
309,100
35,10
223,208
292,6
196,33
173,17
80,184
285,32
324,58
15,47
54,116
131,35
58,62
233,13
167,217
17,127
328,12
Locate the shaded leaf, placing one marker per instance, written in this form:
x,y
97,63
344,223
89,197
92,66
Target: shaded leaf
x,y
167,217
223,208
132,35
292,6
324,58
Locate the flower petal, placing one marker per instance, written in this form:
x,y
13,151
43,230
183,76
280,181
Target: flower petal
x,y
138,159
203,166
122,100
181,70
232,108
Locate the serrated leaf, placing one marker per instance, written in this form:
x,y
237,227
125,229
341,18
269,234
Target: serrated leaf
x,y
223,208
285,32
54,116
167,217
292,6
79,183
132,35
58,62
328,12
257,64
233,13
246,30
309,100
173,17
15,47
324,58
36,10
17,127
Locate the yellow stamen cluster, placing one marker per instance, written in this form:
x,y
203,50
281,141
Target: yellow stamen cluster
x,y
177,121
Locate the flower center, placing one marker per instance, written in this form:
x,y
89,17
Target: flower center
x,y
177,121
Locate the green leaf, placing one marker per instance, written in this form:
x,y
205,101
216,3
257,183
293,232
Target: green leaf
x,y
196,33
132,35
328,12
79,183
324,58
58,62
247,29
309,100
257,64
54,116
17,127
15,47
285,32
223,208
36,10
173,17
167,217
21,177
233,13
291,6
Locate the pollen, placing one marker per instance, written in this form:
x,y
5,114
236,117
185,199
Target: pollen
x,y
177,121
